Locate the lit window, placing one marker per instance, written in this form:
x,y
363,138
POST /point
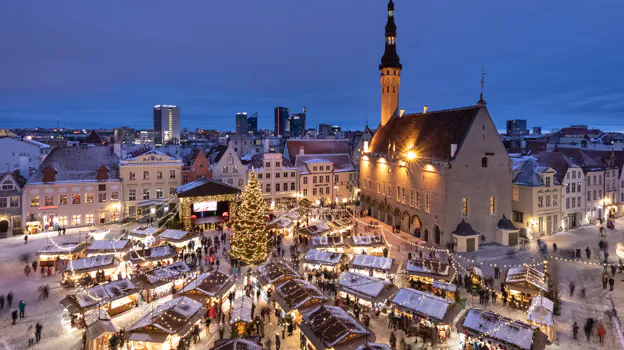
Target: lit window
x,y
89,198
34,201
492,205
464,207
76,198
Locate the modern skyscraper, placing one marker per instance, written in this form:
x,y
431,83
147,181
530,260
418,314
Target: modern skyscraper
x,y
390,69
252,124
241,124
298,124
282,121
166,124
324,130
517,127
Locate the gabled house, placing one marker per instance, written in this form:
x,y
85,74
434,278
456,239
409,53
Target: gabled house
x,y
11,185
227,167
196,166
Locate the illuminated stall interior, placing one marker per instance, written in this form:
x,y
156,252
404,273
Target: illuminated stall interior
x,y
100,329
50,253
319,260
160,282
368,291
164,326
210,287
144,234
206,203
367,245
329,243
423,272
78,270
241,315
151,257
114,297
541,315
118,248
524,283
178,238
377,266
501,332
315,230
297,295
444,290
330,327
341,226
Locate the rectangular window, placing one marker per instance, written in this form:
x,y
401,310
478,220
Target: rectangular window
x,y
327,179
268,175
403,196
114,196
428,202
76,198
7,185
268,165
277,164
146,193
548,201
278,175
235,169
292,186
320,179
4,202
555,201
588,195
600,180
89,198
378,188
418,200
185,179
305,180
578,186
412,198
568,176
398,194
285,175
540,201
464,207
14,201
547,181
578,201
76,219
292,174
305,192
48,200
277,187
492,205
336,178
573,202
34,201
146,175
314,191
159,193
89,219
599,194
518,216
63,199
63,220
260,176
541,224
132,194
226,170
268,188
101,197
172,174
172,191
159,174
313,179
101,187
568,203
326,190
131,175
567,188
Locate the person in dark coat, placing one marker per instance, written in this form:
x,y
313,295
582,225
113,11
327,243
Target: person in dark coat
x,y
14,316
277,342
9,299
588,252
22,308
611,283
38,328
575,330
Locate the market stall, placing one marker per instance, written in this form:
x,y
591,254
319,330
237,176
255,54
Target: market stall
x,y
367,245
144,234
178,238
373,346
540,314
341,226
500,332
297,295
319,229
431,316
250,343
160,282
320,260
117,248
164,326
329,243
283,225
209,288
85,270
330,327
444,290
241,316
100,329
376,266
50,253
114,297
368,291
523,283
151,257
275,272
423,272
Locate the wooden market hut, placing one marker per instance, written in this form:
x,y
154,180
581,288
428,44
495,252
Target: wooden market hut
x,y
241,315
52,252
484,326
249,343
77,270
151,257
297,295
178,238
163,281
319,260
373,346
115,297
368,245
319,229
118,248
376,266
164,326
210,287
275,272
423,272
330,327
524,283
541,316
283,224
143,233
444,290
341,226
100,329
366,290
329,243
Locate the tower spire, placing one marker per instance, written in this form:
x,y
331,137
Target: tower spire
x,y
390,58
390,69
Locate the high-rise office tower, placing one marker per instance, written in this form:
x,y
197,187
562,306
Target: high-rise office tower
x,y
298,124
324,130
241,124
517,127
166,124
252,124
282,116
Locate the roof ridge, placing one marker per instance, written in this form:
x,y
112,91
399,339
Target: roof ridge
x,y
444,110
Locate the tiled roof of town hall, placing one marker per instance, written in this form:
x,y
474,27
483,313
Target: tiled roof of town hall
x,y
78,163
342,162
431,133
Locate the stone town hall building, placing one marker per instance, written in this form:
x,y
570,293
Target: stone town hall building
x,y
443,176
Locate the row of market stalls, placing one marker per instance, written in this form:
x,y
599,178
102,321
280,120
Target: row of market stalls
x,y
369,245
340,227
287,223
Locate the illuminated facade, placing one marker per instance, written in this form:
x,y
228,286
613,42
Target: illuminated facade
x,y
166,124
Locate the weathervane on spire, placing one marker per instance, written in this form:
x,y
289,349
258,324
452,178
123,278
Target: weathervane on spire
x,y
482,81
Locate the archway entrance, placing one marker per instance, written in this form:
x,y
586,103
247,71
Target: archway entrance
x,y
415,226
405,223
4,228
397,217
436,231
426,238
374,209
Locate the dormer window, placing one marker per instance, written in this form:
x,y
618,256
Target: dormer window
x,y
7,185
548,181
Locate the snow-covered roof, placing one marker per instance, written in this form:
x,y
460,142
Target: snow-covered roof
x,y
108,245
144,231
209,283
236,344
541,310
322,257
241,311
175,270
373,346
105,293
317,160
327,241
274,270
367,240
331,324
92,262
297,292
432,267
500,328
371,261
177,235
519,275
173,317
281,222
78,164
60,248
356,283
317,229
445,286
422,303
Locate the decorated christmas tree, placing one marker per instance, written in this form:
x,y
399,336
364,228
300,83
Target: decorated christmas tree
x,y
250,242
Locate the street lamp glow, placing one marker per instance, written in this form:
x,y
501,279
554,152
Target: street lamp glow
x,y
411,155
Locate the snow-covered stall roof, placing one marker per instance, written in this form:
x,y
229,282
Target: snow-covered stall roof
x,y
500,328
105,293
98,323
328,326
173,271
362,285
143,231
322,257
297,292
541,310
109,246
281,223
371,261
176,316
445,286
341,224
276,270
525,276
61,248
236,344
152,254
367,241
176,235
92,263
422,303
241,310
315,230
211,284
426,267
293,214
373,346
327,242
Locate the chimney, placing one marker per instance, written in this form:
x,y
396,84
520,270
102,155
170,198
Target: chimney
x,y
453,148
425,109
49,174
401,112
301,150
24,165
267,147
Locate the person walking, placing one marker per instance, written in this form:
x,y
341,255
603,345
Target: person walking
x,y
38,328
14,316
22,308
605,281
34,266
277,341
25,239
572,286
588,252
611,283
575,330
602,332
10,299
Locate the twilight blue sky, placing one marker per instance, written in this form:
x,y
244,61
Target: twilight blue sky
x,y
106,63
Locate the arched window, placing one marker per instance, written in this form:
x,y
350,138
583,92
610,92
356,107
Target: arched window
x,y
393,89
484,162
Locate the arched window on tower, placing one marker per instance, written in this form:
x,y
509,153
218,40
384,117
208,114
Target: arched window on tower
x,y
388,90
393,89
484,162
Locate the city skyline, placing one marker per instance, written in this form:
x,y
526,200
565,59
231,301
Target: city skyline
x,y
107,76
